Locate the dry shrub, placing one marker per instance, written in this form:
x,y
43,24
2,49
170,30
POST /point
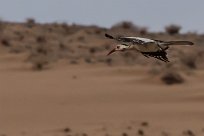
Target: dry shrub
x,y
143,30
5,42
39,64
81,38
16,48
30,22
41,39
109,61
92,50
62,46
125,25
173,29
189,60
144,124
66,28
97,31
20,36
73,62
140,132
66,130
88,60
188,133
40,57
124,134
172,77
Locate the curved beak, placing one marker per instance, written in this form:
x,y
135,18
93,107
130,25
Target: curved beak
x,y
113,50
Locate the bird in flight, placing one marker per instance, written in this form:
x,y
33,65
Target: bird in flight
x,y
147,47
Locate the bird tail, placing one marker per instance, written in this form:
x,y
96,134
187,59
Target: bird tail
x,y
177,43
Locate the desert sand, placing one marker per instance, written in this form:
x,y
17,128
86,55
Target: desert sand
x,y
97,99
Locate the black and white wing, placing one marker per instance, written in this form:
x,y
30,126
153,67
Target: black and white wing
x,y
132,40
160,55
135,40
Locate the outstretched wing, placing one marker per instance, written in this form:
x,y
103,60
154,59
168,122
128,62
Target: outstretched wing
x,y
177,43
133,40
160,55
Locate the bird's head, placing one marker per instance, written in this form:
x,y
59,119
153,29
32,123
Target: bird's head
x,y
119,47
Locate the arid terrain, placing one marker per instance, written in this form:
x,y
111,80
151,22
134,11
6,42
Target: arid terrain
x,y
56,80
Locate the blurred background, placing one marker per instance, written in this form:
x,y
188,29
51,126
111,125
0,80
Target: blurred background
x,y
153,14
56,80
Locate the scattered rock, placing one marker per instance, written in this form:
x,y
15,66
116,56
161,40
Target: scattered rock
x,y
124,134
66,130
145,124
188,133
140,132
84,134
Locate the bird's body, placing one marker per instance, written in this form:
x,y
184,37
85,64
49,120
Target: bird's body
x,y
148,47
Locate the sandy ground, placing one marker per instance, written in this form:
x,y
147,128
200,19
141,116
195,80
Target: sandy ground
x,y
96,100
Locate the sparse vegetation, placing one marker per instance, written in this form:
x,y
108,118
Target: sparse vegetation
x,y
189,60
66,28
140,132
173,29
45,44
66,130
172,77
189,133
40,57
88,60
40,39
92,50
86,43
125,25
30,22
143,30
5,42
81,38
73,62
109,61
39,64
124,134
145,124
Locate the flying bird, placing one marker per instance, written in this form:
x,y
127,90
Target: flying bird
x,y
147,47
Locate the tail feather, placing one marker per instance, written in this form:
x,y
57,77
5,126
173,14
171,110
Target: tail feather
x,y
178,43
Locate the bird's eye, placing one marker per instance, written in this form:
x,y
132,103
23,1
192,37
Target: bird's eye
x,y
117,47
